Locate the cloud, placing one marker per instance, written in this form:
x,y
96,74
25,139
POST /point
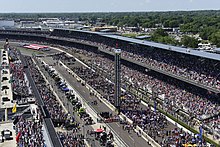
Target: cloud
x,y
147,1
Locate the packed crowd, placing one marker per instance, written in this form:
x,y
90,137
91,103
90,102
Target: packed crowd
x,y
184,66
192,100
53,106
176,95
178,137
200,70
71,139
197,103
213,125
57,114
19,81
176,92
29,132
150,121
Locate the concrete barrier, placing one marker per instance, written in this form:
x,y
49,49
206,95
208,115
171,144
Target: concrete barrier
x,y
144,135
94,114
51,88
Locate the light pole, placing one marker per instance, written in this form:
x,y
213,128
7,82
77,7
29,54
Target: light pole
x,y
117,79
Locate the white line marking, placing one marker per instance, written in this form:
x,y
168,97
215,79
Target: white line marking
x,y
117,124
131,138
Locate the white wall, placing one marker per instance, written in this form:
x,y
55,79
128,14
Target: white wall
x,y
7,23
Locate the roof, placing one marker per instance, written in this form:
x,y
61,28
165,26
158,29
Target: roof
x,y
217,49
188,51
168,47
83,31
143,37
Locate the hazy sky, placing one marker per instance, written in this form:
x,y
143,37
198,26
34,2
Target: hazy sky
x,y
105,5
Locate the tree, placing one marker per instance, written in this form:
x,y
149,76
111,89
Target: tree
x,y
190,42
215,38
160,32
206,32
162,36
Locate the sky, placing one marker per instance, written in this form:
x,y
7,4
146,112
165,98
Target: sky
x,y
16,6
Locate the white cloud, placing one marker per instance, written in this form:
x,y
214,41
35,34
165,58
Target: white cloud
x,y
147,1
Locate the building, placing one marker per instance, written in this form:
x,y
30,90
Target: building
x,y
204,46
7,23
104,29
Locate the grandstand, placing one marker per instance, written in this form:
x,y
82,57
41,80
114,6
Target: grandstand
x,y
140,50
181,74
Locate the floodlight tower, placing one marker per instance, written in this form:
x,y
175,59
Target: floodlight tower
x,y
117,79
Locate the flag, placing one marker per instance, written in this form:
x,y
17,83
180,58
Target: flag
x,y
18,137
14,109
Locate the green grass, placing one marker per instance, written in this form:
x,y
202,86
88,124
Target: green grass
x,y
131,35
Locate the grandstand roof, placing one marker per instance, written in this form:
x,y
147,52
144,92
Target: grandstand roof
x,y
168,47
217,49
84,31
143,37
154,44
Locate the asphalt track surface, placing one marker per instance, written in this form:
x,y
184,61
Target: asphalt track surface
x,y
90,138
170,125
48,123
131,139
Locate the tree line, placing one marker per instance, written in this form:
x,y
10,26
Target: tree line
x,y
205,22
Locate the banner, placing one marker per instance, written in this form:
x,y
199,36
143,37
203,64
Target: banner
x,y
18,137
14,109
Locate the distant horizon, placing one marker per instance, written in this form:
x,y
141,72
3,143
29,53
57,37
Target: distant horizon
x,y
113,11
107,6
